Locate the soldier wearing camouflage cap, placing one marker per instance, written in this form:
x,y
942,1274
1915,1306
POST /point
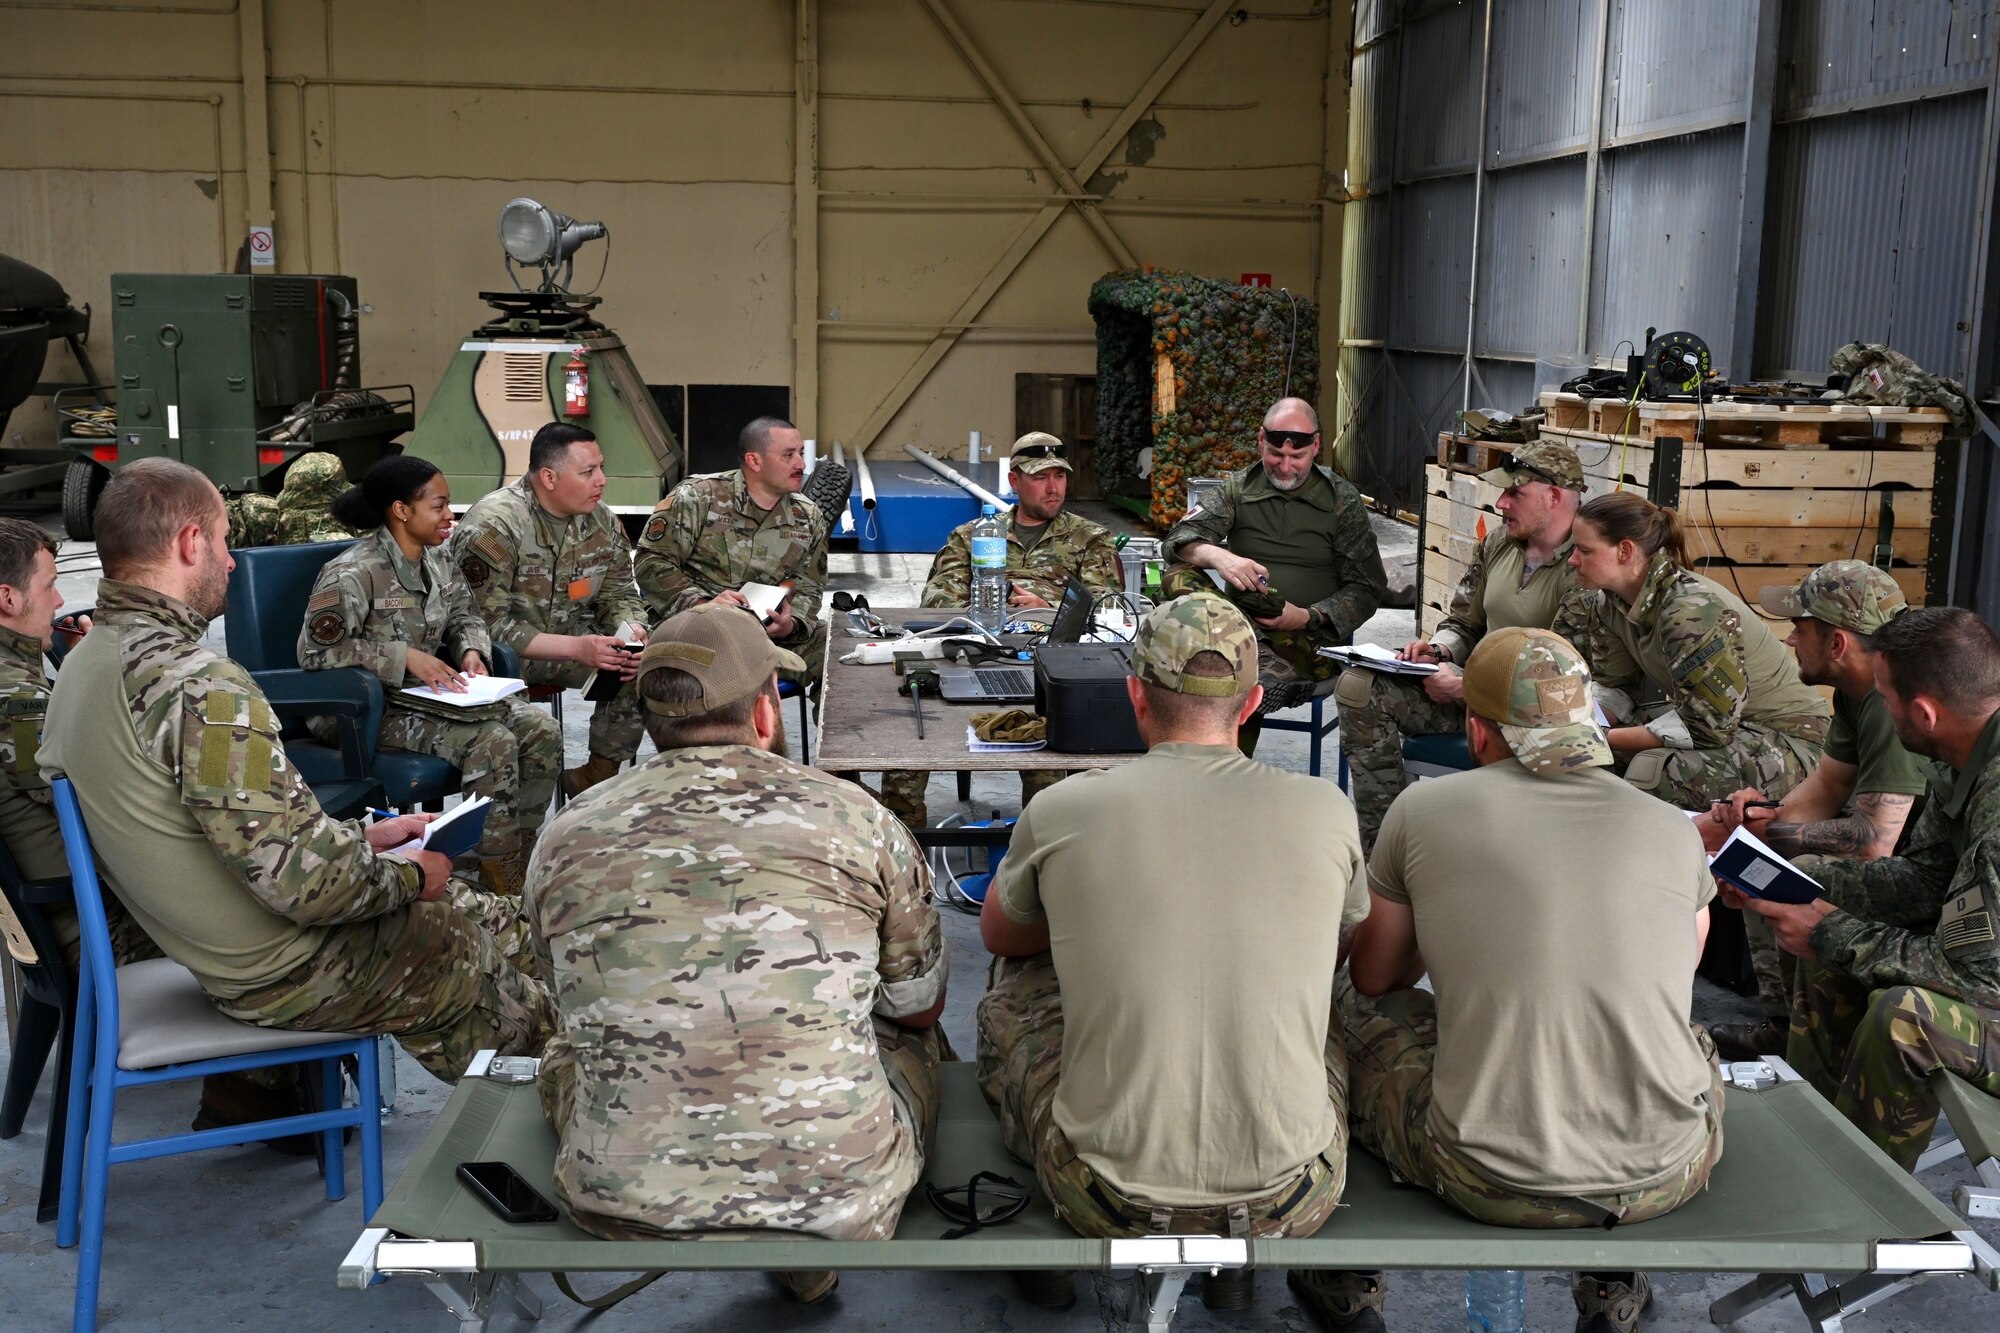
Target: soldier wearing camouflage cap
x,y
288,918
1046,546
301,511
715,533
1519,575
1863,793
1552,1079
775,936
1135,927
1293,546
1899,958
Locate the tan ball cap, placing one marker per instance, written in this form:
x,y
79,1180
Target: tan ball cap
x,y
721,646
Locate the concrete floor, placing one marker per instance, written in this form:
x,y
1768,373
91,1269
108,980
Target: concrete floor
x,y
243,1238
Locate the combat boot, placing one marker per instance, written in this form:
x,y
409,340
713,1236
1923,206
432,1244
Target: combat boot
x,y
505,875
1610,1302
1750,1041
1344,1302
577,781
806,1286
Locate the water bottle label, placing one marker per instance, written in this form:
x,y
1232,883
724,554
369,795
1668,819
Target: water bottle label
x,y
989,553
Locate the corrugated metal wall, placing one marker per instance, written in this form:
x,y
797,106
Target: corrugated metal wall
x,y
1780,178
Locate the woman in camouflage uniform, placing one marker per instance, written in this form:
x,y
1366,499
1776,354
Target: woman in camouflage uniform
x,y
1736,711
393,605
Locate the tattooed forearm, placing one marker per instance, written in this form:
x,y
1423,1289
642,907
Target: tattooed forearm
x,y
1873,827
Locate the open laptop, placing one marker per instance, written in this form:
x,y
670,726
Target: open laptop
x,y
1011,684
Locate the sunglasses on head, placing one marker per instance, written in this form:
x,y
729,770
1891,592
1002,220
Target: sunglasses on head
x,y
1039,451
1289,439
1511,463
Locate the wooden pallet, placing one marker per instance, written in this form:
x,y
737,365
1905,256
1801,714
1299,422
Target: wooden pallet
x,y
1742,423
1609,459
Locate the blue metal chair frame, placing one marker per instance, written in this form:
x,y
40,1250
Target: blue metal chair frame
x,y
788,689
95,1079
1317,727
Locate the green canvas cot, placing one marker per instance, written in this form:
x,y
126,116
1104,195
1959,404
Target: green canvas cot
x,y
1799,1193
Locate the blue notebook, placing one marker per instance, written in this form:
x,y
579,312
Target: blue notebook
x,y
452,834
1747,864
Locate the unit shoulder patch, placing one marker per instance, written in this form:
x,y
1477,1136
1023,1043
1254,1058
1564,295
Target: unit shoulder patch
x,y
327,628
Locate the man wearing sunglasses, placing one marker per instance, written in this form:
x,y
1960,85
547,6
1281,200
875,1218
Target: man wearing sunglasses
x,y
1518,577
1045,545
1292,546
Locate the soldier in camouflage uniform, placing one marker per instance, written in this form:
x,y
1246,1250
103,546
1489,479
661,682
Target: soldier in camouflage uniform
x,y
302,511
1046,545
1899,959
1736,712
715,533
1114,992
1552,1079
749,969
287,918
551,572
1293,546
1834,613
1518,576
392,604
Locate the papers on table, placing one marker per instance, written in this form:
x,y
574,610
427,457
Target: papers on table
x,y
479,691
453,834
1747,863
1369,657
977,746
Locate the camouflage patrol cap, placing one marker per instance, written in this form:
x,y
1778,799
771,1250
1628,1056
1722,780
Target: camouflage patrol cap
x,y
1038,451
313,478
1536,688
1553,461
1172,633
721,646
1846,594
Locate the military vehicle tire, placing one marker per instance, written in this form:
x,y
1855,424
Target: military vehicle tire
x,y
829,488
83,483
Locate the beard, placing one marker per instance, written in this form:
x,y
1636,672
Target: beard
x,y
1285,485
209,596
778,744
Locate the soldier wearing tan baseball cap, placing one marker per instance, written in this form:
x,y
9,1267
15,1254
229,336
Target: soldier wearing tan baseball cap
x,y
1534,686
1038,451
1846,594
722,647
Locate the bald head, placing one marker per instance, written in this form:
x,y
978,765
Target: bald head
x,y
1288,443
1291,414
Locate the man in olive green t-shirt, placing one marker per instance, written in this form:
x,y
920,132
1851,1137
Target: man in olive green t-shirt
x,y
1145,948
1553,1079
1834,613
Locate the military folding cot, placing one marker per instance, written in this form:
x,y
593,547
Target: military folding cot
x,y
1800,1198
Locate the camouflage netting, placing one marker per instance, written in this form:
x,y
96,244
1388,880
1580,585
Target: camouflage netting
x,y
1225,346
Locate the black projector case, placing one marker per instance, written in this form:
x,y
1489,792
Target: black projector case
x,y
1080,689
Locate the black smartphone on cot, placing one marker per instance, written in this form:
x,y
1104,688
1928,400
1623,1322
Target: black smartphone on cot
x,y
502,1189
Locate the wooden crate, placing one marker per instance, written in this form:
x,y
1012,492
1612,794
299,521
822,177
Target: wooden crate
x,y
1730,421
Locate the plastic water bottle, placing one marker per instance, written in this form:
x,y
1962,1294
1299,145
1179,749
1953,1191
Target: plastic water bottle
x,y
989,570
1496,1301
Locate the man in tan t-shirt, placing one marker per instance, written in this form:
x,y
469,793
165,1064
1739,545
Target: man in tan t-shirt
x,y
1146,947
1554,1080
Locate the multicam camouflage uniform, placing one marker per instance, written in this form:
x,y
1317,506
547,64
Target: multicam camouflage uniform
x,y
1072,545
709,536
1905,977
1881,375
1322,526
302,511
532,573
1750,721
733,937
370,608
27,816
204,824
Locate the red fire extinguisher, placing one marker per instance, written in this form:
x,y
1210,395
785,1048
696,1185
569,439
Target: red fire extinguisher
x,y
576,386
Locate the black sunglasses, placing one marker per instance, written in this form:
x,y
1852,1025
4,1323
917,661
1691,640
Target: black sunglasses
x,y
1004,1198
1039,451
1511,463
1289,439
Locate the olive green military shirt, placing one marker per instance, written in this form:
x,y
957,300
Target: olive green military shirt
x,y
1315,542
1498,591
1930,915
211,837
1863,735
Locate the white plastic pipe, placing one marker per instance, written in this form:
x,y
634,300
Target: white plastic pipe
x,y
953,475
839,454
812,456
865,479
972,449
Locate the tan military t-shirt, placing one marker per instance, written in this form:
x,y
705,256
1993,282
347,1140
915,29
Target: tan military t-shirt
x,y
1194,901
1557,917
